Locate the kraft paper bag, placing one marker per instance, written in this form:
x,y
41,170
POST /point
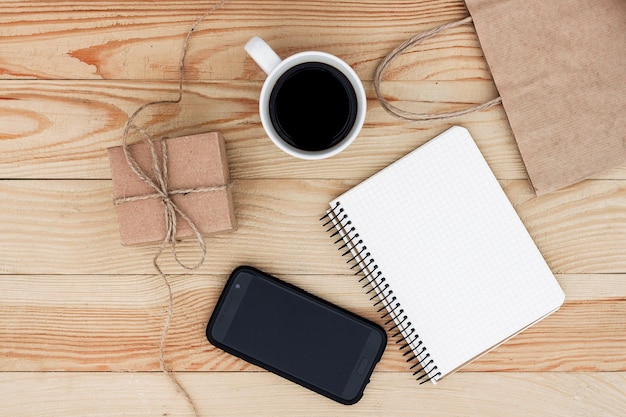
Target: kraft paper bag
x,y
560,69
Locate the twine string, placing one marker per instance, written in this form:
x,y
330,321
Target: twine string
x,y
413,116
160,185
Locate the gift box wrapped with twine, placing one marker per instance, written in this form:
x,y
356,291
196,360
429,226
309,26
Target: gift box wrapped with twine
x,y
172,189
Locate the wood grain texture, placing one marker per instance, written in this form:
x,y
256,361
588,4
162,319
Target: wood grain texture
x,y
482,394
113,323
70,227
61,129
142,40
81,316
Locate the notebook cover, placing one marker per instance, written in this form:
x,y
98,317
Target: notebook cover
x,y
458,260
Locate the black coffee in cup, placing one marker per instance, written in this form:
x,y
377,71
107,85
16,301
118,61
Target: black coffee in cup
x,y
313,106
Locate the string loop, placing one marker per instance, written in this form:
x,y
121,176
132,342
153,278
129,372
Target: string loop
x,y
413,116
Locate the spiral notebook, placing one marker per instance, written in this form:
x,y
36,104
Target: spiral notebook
x,y
452,268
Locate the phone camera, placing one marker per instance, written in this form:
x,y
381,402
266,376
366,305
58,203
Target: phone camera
x,y
237,286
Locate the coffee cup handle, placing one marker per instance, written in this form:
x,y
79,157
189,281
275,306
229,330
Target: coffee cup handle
x,y
262,54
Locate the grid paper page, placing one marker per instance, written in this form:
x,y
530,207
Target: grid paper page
x,y
453,249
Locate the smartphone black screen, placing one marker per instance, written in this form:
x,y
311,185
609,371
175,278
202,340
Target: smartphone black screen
x,y
299,336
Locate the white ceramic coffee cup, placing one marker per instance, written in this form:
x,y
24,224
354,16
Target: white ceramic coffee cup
x,y
275,67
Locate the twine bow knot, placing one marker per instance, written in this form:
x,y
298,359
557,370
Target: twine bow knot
x,y
162,191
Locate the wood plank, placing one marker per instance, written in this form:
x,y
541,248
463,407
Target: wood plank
x,y
261,394
61,129
114,323
70,227
142,40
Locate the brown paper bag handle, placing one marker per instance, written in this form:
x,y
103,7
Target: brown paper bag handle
x,y
407,115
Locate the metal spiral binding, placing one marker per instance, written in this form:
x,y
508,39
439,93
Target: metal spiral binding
x,y
396,321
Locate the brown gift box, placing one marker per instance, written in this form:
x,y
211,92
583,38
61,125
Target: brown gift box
x,y
193,162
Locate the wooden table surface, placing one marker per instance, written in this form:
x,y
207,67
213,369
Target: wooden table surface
x,y
81,316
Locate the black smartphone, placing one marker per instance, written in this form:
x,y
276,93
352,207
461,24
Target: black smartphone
x,y
296,335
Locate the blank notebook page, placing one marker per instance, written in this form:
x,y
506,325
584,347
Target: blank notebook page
x,y
453,250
